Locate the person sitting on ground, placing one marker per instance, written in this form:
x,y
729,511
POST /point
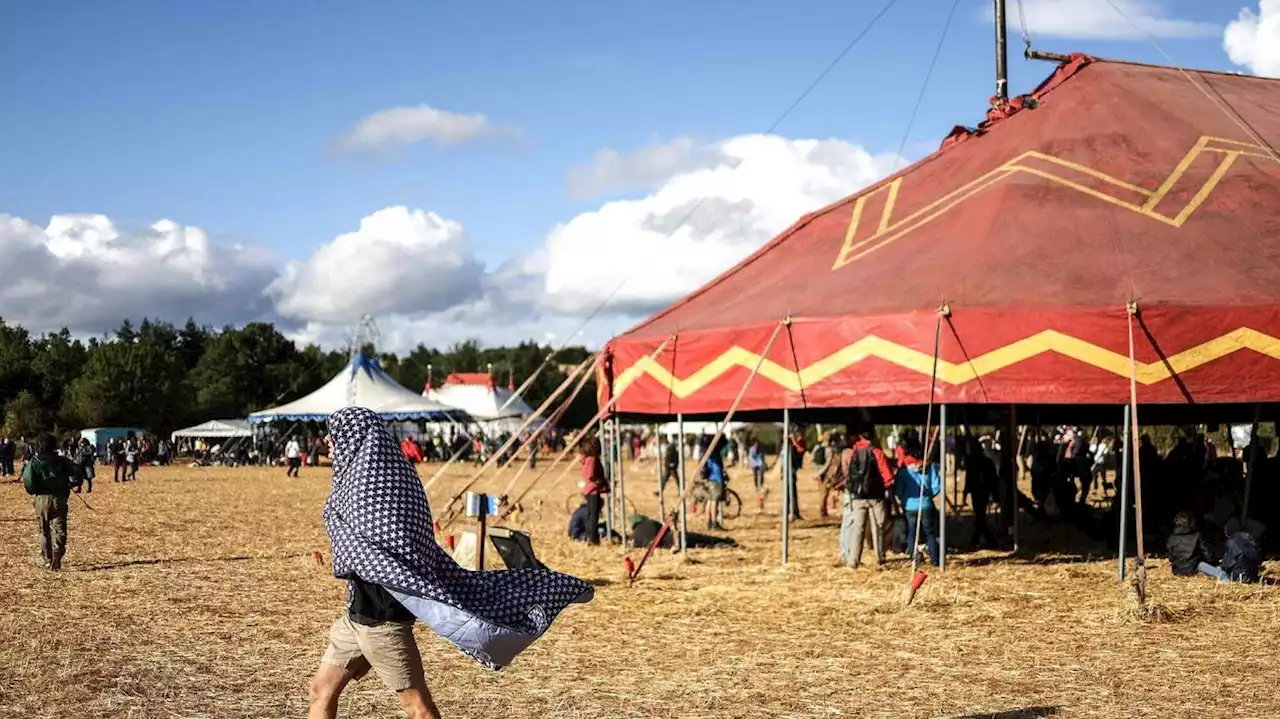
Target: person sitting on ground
x,y
1242,559
1185,546
916,486
49,479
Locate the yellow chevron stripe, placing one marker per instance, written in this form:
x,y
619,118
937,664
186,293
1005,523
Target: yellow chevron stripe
x,y
952,373
889,230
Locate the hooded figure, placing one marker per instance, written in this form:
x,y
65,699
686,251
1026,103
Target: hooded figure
x,y
380,526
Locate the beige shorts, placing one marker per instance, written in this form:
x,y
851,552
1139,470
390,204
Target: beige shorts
x,y
389,649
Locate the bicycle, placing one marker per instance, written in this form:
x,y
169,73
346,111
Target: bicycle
x,y
575,500
700,494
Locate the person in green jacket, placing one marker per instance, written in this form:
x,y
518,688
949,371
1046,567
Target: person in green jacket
x,y
49,479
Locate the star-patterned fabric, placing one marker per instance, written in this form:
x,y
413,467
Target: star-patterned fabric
x,y
380,526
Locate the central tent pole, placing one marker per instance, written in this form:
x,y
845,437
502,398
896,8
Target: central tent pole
x,y
661,463
942,461
1124,494
1254,448
784,461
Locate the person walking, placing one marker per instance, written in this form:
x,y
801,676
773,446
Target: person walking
x,y
86,456
115,448
49,479
131,455
379,524
867,481
293,457
594,485
7,450
755,459
671,463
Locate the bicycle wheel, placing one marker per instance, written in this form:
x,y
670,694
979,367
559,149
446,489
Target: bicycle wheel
x,y
732,504
572,502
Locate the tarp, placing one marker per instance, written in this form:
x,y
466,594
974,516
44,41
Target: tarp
x,y
361,383
1111,183
216,428
99,437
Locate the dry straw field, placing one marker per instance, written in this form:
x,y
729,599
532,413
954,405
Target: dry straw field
x,y
194,593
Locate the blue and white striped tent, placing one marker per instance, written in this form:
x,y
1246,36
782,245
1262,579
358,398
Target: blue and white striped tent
x,y
362,383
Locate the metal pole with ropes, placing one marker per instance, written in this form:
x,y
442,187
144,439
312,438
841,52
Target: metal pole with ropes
x,y
1140,561
917,576
450,509
712,446
551,421
585,432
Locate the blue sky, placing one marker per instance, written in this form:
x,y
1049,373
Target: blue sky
x,y
227,116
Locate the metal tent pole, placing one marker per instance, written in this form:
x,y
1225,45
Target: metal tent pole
x,y
942,462
1002,54
623,519
684,505
607,455
1124,494
1254,448
784,461
661,464
1012,462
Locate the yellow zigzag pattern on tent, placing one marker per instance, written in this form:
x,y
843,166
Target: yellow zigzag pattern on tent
x,y
1056,170
952,373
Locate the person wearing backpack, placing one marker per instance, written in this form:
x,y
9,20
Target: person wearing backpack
x,y
49,479
867,480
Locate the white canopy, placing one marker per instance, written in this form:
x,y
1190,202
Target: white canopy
x,y
216,428
695,428
361,383
483,402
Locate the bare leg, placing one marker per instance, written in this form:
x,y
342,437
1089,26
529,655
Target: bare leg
x,y
326,687
417,703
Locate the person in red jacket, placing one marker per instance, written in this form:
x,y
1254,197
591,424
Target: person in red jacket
x,y
594,485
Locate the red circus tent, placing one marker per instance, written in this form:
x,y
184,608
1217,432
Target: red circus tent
x,y
1111,182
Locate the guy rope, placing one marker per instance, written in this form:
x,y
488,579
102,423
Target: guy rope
x,y
706,455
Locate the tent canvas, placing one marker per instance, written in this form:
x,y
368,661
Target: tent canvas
x,y
1110,183
478,397
361,383
216,428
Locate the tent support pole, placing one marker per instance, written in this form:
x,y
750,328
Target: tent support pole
x,y
622,518
662,458
608,453
1254,448
1124,495
684,506
942,459
784,461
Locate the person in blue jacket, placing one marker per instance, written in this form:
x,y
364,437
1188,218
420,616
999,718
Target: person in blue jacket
x,y
912,475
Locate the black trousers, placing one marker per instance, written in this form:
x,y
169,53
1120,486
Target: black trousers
x,y
595,503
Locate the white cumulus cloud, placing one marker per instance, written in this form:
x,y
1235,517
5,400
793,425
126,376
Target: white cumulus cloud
x,y
399,126
646,168
1099,19
399,261
1253,39
86,273
698,223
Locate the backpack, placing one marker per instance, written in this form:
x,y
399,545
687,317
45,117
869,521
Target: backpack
x,y
820,454
862,478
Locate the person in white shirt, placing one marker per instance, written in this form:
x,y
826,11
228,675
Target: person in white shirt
x,y
293,455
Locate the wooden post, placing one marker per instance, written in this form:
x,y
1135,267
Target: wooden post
x,y
942,459
784,462
1124,494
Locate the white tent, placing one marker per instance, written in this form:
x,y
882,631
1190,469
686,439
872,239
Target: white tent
x,y
361,383
476,395
495,409
216,428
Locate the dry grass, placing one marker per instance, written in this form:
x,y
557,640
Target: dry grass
x,y
192,593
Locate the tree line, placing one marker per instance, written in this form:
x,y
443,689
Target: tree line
x,y
160,377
